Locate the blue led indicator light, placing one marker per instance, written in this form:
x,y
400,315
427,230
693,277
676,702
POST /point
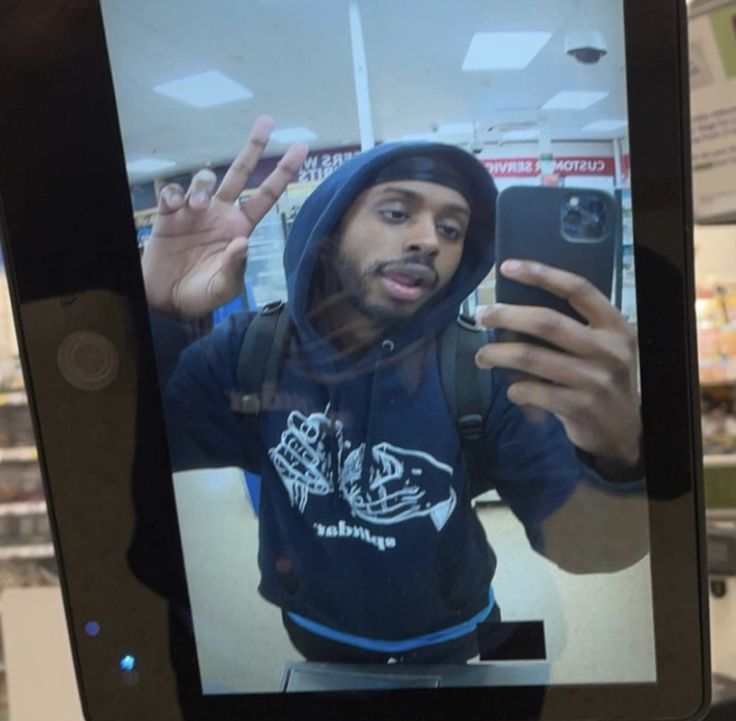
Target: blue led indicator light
x,y
127,662
91,628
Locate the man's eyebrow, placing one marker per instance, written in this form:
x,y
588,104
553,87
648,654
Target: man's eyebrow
x,y
409,194
413,195
458,208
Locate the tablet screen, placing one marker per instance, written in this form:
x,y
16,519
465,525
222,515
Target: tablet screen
x,y
338,530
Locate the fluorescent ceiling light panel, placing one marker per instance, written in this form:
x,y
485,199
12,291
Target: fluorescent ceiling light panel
x,y
204,90
456,129
503,51
149,165
574,99
293,135
521,134
606,125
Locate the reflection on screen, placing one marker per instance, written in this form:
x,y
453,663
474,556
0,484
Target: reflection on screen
x,y
362,504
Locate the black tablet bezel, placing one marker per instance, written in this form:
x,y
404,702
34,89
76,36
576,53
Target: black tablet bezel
x,y
62,160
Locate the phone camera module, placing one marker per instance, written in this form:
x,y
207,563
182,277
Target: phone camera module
x,y
584,218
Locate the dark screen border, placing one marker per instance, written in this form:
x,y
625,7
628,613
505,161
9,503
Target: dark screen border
x,y
62,158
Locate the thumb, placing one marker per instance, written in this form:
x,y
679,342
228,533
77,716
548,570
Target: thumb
x,y
229,279
234,256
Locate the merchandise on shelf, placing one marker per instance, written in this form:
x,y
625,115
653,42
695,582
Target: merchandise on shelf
x,y
29,524
25,536
20,481
719,421
24,572
715,310
16,428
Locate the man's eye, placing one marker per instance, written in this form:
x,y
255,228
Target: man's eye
x,y
393,215
450,231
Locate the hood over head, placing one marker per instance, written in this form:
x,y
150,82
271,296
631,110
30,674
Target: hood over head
x,y
324,208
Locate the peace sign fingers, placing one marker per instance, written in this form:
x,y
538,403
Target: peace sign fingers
x,y
242,167
270,190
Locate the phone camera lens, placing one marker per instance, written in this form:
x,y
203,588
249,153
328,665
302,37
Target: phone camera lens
x,y
571,222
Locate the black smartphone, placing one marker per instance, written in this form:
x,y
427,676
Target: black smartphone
x,y
574,229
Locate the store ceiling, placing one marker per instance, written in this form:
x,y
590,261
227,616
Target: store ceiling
x,y
295,56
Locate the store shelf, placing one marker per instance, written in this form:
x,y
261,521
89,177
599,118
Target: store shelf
x,y
725,460
13,398
35,550
22,508
18,454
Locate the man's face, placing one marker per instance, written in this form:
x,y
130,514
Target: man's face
x,y
398,245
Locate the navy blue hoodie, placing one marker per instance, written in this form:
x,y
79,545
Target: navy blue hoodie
x,y
367,533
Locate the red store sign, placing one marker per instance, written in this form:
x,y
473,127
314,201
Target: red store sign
x,y
564,165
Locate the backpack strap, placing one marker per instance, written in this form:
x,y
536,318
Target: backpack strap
x,y
467,389
262,357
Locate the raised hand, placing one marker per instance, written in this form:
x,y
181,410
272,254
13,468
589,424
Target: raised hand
x,y
194,260
590,384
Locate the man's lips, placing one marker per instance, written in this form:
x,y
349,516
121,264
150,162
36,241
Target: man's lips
x,y
408,281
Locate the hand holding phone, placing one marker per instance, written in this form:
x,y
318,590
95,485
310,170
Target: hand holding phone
x,y
586,374
194,260
564,347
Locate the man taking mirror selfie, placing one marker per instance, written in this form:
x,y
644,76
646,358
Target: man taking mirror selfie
x,y
368,539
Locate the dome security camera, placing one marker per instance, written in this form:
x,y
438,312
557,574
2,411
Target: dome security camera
x,y
585,45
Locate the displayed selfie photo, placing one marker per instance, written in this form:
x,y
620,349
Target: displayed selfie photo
x,y
389,262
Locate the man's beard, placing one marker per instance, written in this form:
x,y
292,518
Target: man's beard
x,y
355,287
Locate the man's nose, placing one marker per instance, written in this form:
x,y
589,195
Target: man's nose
x,y
423,238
